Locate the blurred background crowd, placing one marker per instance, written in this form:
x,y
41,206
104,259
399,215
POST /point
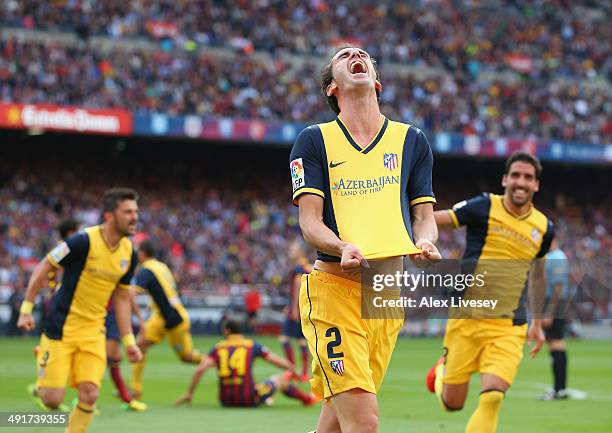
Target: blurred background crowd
x,y
503,68
561,37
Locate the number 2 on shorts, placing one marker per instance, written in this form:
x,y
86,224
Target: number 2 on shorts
x,y
334,343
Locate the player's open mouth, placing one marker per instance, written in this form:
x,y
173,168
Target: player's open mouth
x,y
358,67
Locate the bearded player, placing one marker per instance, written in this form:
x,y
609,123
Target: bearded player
x,y
97,262
507,241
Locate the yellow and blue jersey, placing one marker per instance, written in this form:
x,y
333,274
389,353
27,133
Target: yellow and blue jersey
x,y
367,193
502,246
157,279
92,272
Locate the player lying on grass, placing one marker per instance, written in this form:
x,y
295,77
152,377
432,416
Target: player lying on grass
x,y
233,357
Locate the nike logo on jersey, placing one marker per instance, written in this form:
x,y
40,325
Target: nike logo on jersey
x,y
332,165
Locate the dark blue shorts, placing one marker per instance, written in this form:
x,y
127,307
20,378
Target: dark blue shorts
x,y
112,330
556,331
292,328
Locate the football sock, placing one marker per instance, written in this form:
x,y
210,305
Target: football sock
x,y
304,350
115,372
484,419
80,418
294,392
559,366
439,385
137,371
288,352
196,357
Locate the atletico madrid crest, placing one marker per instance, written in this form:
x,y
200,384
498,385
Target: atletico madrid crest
x,y
391,161
337,366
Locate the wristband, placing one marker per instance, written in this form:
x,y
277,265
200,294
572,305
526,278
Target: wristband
x,y
128,340
26,307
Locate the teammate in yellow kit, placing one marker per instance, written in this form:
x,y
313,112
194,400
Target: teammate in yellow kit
x,y
363,186
169,316
506,236
97,262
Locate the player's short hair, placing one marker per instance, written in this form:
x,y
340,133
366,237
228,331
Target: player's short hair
x,y
147,247
114,196
66,226
232,326
522,156
327,75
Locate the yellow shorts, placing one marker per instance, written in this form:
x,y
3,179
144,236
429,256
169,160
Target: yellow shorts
x,y
180,336
491,346
348,352
76,360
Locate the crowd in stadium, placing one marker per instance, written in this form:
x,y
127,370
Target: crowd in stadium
x,y
246,87
458,42
439,33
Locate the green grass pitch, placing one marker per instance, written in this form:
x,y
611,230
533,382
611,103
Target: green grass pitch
x,y
405,404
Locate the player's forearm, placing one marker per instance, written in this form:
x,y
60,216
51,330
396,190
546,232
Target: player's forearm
x,y
321,237
537,289
134,306
37,280
123,312
553,305
279,362
195,380
424,224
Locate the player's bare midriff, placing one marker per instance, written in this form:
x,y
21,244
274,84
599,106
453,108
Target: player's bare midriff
x,y
383,266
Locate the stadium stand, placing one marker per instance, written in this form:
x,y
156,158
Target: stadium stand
x,y
502,69
248,87
438,33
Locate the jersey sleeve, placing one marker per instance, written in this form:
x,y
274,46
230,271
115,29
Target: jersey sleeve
x,y
260,350
144,279
126,280
306,166
213,353
420,189
72,250
471,211
546,239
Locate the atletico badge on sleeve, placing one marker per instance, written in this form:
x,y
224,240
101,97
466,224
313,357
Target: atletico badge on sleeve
x,y
337,366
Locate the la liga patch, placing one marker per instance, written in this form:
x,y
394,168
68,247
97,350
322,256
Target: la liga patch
x,y
297,173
